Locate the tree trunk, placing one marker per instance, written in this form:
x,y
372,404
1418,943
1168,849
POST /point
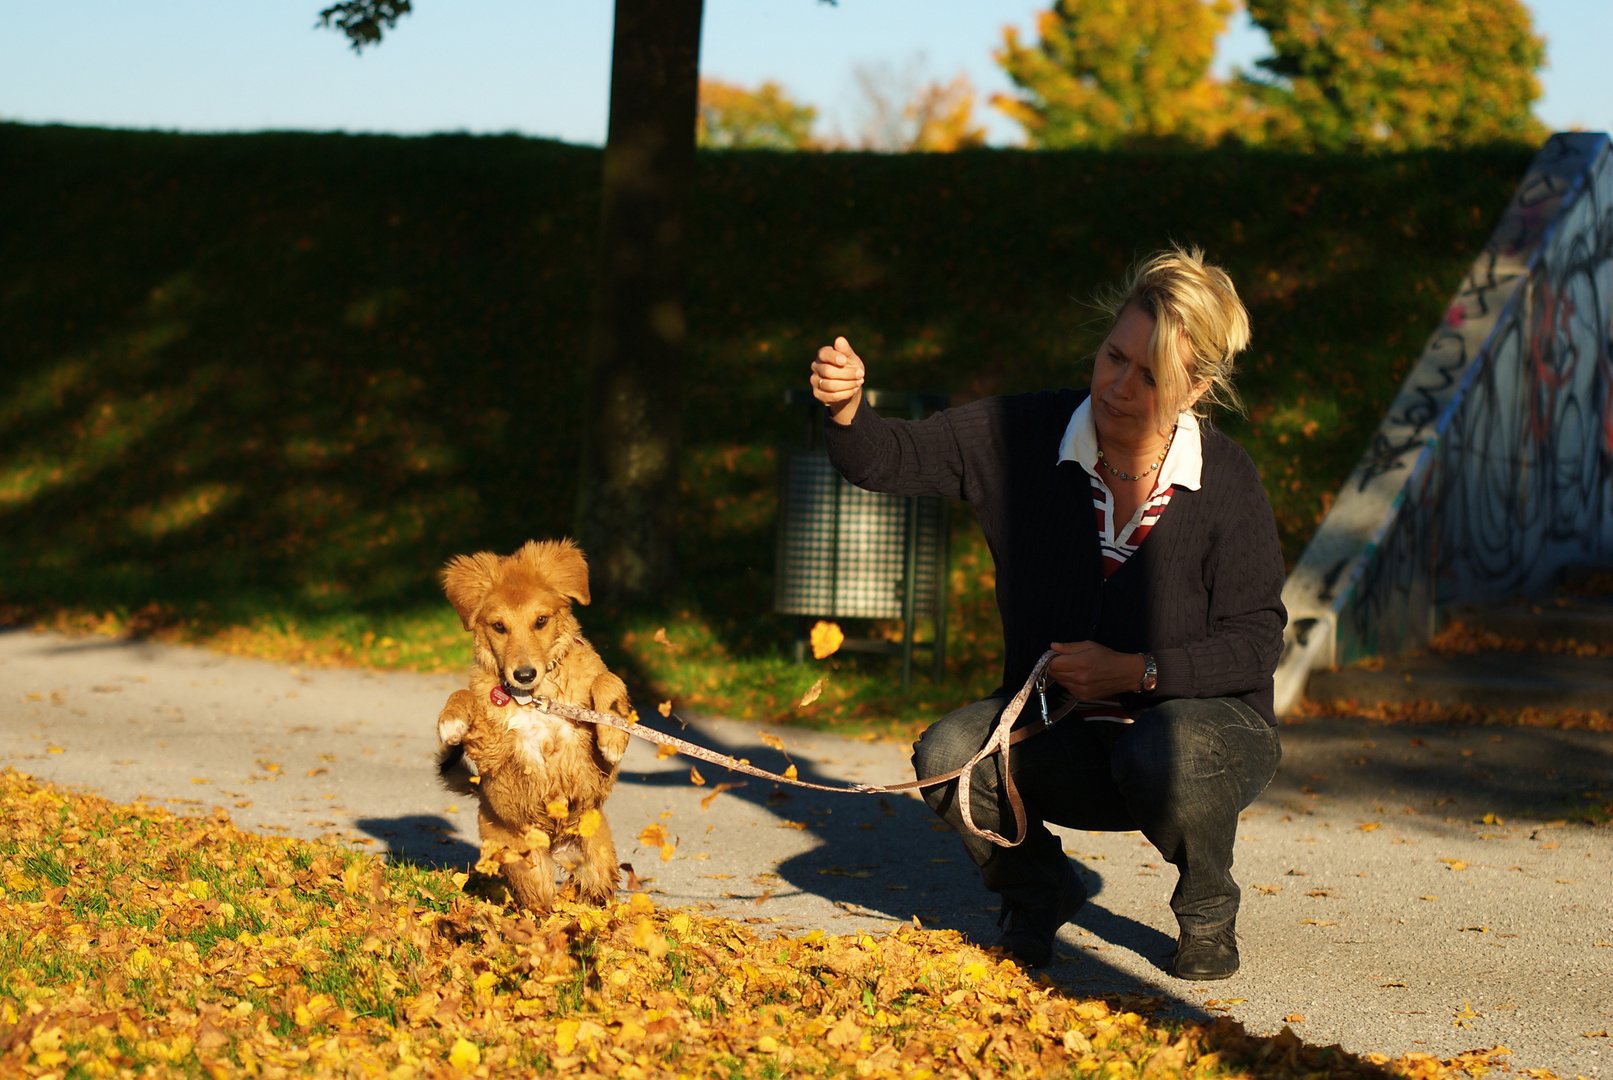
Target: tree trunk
x,y
628,487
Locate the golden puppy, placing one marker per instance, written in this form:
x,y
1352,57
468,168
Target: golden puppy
x,y
542,779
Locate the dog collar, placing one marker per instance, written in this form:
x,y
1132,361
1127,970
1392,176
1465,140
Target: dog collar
x,y
500,695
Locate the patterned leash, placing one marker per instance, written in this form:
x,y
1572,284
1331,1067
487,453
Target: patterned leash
x,y
1002,737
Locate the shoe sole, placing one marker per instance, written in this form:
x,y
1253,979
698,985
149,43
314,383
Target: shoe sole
x,y
1206,976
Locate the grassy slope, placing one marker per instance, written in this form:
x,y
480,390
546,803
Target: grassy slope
x,y
273,381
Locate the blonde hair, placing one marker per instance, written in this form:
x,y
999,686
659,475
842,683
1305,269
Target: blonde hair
x,y
1187,297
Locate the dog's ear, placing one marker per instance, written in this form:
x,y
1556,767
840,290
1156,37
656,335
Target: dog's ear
x,y
562,564
467,579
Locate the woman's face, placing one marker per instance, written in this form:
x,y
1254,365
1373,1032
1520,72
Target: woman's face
x,y
1125,401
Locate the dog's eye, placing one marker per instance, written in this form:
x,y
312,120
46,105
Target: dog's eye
x,y
500,628
543,620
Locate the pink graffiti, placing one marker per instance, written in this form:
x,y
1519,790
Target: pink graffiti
x,y
1549,373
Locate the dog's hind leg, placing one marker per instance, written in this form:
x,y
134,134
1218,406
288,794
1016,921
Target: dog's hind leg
x,y
610,695
531,879
597,874
528,870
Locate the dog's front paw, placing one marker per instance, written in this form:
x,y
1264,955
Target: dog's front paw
x,y
613,744
453,723
451,730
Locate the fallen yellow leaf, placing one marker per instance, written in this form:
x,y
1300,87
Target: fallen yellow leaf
x,y
790,773
557,809
695,778
588,824
705,804
665,708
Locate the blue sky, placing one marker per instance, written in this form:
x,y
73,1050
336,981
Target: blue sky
x,y
542,67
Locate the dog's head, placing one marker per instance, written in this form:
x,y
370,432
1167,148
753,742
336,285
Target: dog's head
x,y
518,607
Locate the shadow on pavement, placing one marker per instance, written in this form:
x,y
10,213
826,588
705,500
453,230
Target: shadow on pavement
x,y
1509,771
885,855
425,839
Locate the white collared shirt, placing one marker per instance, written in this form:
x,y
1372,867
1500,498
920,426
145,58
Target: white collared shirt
x,y
1182,467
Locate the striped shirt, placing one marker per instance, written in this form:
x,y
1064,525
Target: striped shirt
x,y
1118,548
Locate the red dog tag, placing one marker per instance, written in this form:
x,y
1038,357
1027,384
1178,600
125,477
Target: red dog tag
x,y
498,697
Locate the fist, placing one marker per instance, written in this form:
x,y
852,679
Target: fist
x,y
837,379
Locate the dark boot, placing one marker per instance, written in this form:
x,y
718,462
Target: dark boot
x,y
1033,926
1208,956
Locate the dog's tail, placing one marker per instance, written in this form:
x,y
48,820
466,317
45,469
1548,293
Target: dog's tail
x,y
454,771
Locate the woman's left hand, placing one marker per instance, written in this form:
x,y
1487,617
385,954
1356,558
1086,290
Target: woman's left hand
x,y
1092,672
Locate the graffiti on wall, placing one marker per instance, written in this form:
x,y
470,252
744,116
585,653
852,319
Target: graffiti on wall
x,y
1494,466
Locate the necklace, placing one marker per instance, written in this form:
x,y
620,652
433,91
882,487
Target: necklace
x,y
1157,461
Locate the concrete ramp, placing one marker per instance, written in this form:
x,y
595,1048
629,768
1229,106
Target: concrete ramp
x,y
1493,469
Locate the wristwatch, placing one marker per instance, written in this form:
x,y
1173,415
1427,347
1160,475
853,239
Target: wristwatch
x,y
1150,674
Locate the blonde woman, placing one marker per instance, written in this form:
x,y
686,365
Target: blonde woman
x,y
1136,541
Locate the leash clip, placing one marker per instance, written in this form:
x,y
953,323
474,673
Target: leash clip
x,y
1041,693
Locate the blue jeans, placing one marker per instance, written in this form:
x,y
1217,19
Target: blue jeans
x,y
1180,775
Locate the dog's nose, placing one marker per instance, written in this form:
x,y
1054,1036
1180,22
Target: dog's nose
x,y
525,676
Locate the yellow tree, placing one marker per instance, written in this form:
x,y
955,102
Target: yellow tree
x,y
1398,74
1120,72
735,118
943,117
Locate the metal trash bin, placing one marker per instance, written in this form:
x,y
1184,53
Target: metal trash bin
x,y
846,553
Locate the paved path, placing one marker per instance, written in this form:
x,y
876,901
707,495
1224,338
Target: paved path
x,y
1355,916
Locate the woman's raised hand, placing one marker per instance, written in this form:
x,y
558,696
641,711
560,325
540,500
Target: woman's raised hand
x,y
837,380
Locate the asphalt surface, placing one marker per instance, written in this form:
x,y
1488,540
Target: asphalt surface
x,y
1379,905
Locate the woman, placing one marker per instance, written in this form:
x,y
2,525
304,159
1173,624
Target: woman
x,y
1137,543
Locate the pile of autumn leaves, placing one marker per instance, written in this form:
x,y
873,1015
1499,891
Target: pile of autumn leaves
x,y
136,942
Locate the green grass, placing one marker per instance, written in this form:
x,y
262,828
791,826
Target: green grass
x,y
256,389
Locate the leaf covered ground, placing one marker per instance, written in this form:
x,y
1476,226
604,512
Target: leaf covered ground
x,y
137,943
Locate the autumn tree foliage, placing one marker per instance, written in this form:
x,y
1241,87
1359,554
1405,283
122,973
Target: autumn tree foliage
x,y
733,117
1398,74
902,114
1120,72
1344,74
